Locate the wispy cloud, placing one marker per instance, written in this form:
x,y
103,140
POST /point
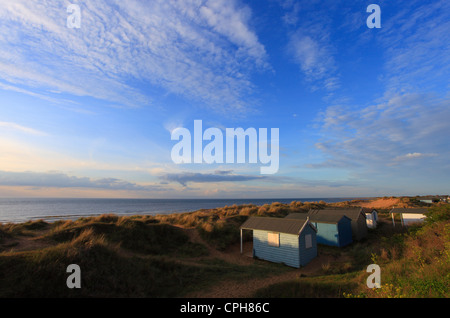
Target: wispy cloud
x,y
184,178
203,50
20,128
62,180
403,132
33,94
416,47
406,127
315,60
310,46
415,155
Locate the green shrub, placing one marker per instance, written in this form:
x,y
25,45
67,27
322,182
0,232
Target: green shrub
x,y
438,213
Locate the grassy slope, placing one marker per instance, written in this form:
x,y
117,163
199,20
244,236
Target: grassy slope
x,y
118,257
144,256
414,264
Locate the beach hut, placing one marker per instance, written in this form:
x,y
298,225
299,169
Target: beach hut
x,y
280,240
356,215
359,223
333,229
430,199
409,216
371,217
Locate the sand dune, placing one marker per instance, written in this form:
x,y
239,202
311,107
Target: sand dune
x,y
381,203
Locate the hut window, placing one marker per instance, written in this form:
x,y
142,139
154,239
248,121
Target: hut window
x,y
273,239
308,241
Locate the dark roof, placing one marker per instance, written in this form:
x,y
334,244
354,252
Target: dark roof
x,y
429,198
368,210
409,210
297,216
351,213
273,224
317,217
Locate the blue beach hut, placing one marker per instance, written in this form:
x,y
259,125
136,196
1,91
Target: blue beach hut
x,y
281,240
333,229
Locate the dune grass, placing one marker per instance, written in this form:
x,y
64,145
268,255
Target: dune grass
x,y
134,235
104,272
154,256
414,262
137,256
327,286
220,226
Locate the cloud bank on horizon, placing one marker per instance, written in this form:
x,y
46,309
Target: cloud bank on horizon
x,y
88,111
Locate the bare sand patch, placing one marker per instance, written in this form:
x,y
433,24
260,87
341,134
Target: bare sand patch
x,y
381,203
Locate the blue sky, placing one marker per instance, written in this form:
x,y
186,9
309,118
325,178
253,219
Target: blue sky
x,y
88,112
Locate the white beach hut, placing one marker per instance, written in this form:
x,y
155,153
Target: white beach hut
x,y
409,215
371,217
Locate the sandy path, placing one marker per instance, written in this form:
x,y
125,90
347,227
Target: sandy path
x,y
21,243
245,289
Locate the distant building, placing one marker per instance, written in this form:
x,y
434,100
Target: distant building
x,y
409,216
428,200
280,240
333,229
433,199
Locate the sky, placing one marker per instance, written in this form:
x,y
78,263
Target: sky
x,y
89,111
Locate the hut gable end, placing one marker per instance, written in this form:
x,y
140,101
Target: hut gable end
x,y
281,240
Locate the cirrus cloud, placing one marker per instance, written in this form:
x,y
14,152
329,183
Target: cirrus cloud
x,y
202,50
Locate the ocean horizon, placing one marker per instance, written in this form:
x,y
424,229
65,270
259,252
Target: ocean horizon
x,y
17,210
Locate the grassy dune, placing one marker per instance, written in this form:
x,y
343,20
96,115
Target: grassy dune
x,y
182,254
137,256
414,264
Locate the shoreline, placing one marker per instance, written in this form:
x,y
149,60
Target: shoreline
x,y
200,254
16,211
34,209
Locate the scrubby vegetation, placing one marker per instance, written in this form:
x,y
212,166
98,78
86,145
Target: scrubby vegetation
x,y
136,235
176,255
220,227
326,286
415,263
138,256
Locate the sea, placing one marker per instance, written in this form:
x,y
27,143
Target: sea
x,y
18,210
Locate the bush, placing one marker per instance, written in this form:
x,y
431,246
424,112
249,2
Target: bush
x,y
438,213
418,262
